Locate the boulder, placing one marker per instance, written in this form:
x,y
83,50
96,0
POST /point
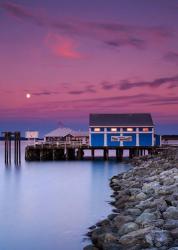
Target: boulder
x,y
120,220
141,196
135,237
146,218
150,186
174,233
128,227
90,247
171,213
171,224
161,238
133,212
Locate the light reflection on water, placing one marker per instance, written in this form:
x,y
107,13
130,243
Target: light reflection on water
x,y
50,205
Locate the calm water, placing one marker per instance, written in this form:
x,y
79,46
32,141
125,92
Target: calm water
x,y
49,206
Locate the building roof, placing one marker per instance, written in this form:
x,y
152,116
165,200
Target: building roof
x,y
135,119
61,132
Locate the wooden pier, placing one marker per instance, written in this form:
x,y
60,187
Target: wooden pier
x,y
53,152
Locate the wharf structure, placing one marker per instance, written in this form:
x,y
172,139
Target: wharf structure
x,y
119,132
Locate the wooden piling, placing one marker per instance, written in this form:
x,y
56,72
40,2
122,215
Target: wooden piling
x,y
93,154
17,148
106,154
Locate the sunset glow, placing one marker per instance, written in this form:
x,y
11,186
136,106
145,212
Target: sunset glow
x,y
81,57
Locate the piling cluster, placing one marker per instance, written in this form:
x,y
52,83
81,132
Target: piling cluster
x,y
8,137
145,201
52,153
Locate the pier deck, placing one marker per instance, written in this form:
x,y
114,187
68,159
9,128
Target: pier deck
x,y
54,152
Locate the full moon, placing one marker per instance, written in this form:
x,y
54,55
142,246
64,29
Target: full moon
x,y
28,95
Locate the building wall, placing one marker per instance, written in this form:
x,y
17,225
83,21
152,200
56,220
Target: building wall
x,y
97,139
157,140
132,142
112,143
145,139
137,137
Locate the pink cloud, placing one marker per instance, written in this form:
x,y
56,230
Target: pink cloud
x,y
63,46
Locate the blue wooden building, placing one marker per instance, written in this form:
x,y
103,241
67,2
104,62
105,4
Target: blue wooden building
x,y
121,130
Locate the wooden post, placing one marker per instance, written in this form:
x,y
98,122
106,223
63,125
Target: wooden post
x,y
93,153
106,154
17,148
6,148
7,152
130,153
117,154
80,153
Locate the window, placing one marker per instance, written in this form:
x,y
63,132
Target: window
x,y
97,129
129,129
114,129
145,129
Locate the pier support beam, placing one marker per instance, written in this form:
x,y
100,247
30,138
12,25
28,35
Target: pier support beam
x,y
70,154
80,154
131,154
7,148
106,154
93,153
119,154
17,148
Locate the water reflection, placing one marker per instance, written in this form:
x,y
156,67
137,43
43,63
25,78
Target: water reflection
x,y
50,205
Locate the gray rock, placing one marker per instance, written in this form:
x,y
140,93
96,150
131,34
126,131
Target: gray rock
x,y
161,238
145,218
174,233
171,213
104,222
135,237
90,247
111,246
168,181
151,185
133,212
120,220
141,196
128,227
171,224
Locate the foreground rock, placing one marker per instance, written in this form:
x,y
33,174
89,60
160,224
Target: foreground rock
x,y
145,201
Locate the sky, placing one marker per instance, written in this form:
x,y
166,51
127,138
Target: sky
x,y
80,57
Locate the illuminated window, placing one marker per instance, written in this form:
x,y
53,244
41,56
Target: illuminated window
x,y
114,129
129,129
145,129
97,129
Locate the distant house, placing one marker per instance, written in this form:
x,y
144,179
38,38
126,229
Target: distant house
x,y
67,135
122,130
169,139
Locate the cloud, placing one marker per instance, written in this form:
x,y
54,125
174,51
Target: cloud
x,y
62,46
22,13
133,42
171,57
119,34
42,93
107,85
87,89
125,85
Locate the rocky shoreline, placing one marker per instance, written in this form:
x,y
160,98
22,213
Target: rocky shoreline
x,y
145,200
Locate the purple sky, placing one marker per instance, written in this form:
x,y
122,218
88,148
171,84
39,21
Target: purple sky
x,y
78,57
